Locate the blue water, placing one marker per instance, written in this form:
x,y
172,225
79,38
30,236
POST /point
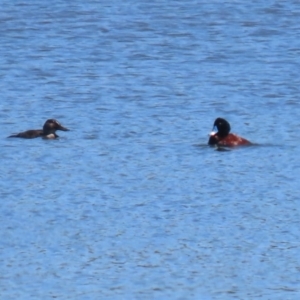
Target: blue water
x,y
131,203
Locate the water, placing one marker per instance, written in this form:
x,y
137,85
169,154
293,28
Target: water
x,y
131,203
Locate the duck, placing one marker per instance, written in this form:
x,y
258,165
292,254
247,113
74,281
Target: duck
x,y
48,131
223,137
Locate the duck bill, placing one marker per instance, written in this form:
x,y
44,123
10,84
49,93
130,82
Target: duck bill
x,y
213,132
62,128
214,129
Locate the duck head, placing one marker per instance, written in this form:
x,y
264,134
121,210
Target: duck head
x,y
223,126
51,125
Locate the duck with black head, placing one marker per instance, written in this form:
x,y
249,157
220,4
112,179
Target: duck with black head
x,y
223,137
48,131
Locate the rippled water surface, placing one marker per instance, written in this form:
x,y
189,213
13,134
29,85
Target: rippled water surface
x,y
132,203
